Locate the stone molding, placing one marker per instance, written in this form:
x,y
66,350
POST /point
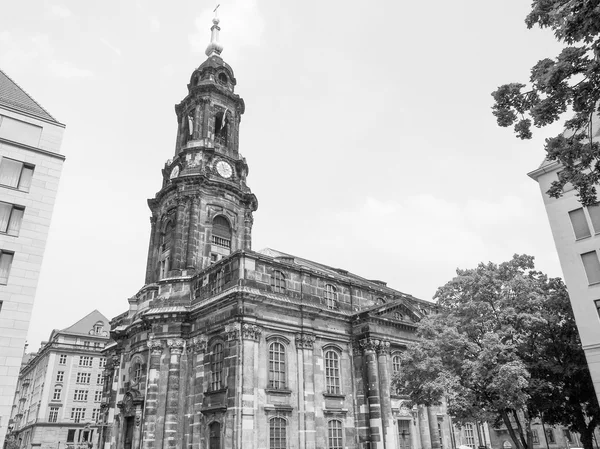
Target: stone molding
x,y
251,332
197,344
155,346
232,331
305,341
176,345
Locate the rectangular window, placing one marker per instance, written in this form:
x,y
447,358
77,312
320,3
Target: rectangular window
x,y
60,376
102,362
84,378
78,414
71,436
536,437
15,174
469,435
80,395
11,217
95,414
100,379
580,224
6,259
594,212
53,416
86,344
19,131
550,436
56,395
97,395
85,360
62,360
591,266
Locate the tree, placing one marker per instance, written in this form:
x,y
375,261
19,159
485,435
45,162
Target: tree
x,y
503,349
571,81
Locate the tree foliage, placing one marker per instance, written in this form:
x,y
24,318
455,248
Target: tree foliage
x,y
503,347
569,82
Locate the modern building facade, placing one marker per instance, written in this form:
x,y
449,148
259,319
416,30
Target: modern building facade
x,y
225,347
58,395
576,232
30,168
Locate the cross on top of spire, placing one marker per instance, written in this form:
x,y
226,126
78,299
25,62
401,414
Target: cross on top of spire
x,y
215,47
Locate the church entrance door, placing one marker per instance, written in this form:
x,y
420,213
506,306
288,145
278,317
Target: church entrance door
x,y
404,433
215,436
129,424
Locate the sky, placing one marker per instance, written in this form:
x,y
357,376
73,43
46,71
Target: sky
x,y
368,132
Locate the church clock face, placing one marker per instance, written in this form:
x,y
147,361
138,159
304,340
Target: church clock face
x,y
224,169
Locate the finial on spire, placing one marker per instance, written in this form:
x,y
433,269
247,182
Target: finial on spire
x,y
215,47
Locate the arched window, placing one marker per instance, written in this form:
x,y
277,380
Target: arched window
x,y
331,298
166,236
277,371
221,125
332,371
277,433
137,372
221,238
216,367
278,281
396,364
335,438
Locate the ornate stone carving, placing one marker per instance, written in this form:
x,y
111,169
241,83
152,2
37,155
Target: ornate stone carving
x,y
116,361
356,348
197,344
305,341
248,218
375,344
251,331
155,346
176,345
232,331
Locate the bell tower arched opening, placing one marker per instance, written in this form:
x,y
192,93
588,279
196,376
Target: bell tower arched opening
x,y
221,238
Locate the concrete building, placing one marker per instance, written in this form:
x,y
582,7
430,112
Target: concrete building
x,y
576,232
227,347
57,400
30,167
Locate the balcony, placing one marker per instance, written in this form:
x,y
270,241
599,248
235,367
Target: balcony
x,y
222,242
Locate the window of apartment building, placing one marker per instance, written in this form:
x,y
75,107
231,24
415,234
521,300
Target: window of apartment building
x,y
53,415
102,362
591,264
86,344
335,439
62,360
470,435
216,367
97,345
332,371
85,360
100,379
6,259
95,414
580,224
84,378
97,395
277,374
71,434
11,216
80,395
278,281
550,436
57,393
60,376
18,131
77,414
15,174
277,433
535,436
331,297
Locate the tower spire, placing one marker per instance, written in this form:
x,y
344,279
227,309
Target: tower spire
x,y
215,47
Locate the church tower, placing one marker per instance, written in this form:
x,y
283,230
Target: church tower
x,y
203,211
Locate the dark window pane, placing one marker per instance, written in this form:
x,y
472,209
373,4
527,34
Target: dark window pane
x,y
592,266
579,222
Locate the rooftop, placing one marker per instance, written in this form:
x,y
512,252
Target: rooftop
x,y
13,96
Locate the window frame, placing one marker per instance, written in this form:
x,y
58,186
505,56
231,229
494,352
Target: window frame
x,y
332,373
340,437
331,297
24,165
593,271
10,256
275,441
278,282
13,229
53,414
277,369
216,367
578,214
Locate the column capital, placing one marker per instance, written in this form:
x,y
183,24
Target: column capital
x,y
375,344
197,344
232,331
176,345
251,331
155,346
305,341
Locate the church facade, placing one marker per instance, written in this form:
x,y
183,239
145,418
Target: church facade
x,y
226,347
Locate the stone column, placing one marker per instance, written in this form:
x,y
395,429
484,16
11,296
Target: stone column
x,y
170,437
151,404
197,390
369,346
433,428
250,338
178,241
384,390
424,427
361,412
192,239
150,264
248,222
306,390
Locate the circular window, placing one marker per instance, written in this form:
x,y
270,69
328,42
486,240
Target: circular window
x,y
222,78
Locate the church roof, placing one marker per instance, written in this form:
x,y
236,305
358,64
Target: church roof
x,y
337,272
84,325
14,97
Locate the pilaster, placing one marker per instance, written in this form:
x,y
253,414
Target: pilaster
x,y
198,350
170,437
156,348
370,346
250,341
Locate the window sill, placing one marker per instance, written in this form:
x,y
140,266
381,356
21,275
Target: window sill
x,y
278,391
334,395
211,392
